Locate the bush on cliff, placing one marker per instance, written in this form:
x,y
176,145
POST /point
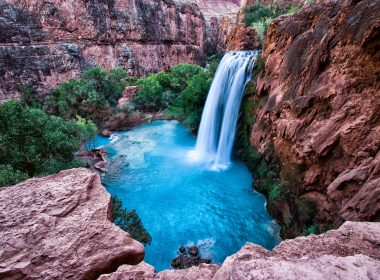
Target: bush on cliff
x,y
129,221
260,16
34,143
10,176
93,96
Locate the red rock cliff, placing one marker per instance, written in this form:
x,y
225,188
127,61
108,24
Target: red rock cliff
x,y
45,42
321,111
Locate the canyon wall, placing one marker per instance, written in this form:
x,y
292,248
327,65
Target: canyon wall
x,y
59,227
43,43
319,107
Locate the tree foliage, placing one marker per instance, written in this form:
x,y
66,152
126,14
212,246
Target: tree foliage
x,y
92,97
129,221
259,16
10,176
181,92
35,143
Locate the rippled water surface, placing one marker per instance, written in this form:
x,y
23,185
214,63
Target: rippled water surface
x,y
181,202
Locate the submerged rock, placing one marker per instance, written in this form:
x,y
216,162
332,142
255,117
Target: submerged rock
x,y
182,249
188,258
59,227
193,250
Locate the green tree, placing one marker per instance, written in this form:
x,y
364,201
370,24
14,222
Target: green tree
x,y
150,93
92,97
35,143
10,176
29,97
129,221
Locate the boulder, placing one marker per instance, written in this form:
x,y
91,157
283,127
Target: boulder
x,y
243,37
351,252
59,227
193,250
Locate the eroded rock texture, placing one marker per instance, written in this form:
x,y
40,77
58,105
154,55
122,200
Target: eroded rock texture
x,y
243,37
321,106
58,227
43,43
352,252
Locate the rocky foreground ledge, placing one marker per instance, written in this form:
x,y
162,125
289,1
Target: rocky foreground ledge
x,y
59,227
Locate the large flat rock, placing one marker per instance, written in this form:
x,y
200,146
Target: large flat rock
x,y
58,227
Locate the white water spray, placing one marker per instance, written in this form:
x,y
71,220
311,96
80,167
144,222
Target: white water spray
x,y
218,125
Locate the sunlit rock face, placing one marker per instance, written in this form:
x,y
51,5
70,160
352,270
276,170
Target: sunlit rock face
x,y
351,252
59,227
44,43
320,106
216,8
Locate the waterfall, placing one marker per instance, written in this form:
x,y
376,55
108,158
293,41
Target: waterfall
x,y
219,119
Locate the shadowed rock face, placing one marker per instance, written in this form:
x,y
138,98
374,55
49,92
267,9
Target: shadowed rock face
x,y
352,252
44,43
321,106
58,227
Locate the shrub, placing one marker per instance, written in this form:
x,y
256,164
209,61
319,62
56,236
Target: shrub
x,y
87,128
192,99
313,229
129,221
257,12
182,92
260,16
35,143
150,93
29,97
91,97
10,176
274,193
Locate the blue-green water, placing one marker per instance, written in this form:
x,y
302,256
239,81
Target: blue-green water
x,y
181,202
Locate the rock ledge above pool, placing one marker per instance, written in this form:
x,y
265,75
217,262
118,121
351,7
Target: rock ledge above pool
x,y
58,227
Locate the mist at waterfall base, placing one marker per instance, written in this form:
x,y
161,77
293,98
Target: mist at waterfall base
x,y
181,187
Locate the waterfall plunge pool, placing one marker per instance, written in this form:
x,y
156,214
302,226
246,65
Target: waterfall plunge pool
x,y
184,203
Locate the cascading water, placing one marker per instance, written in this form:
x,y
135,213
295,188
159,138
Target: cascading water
x,y
218,125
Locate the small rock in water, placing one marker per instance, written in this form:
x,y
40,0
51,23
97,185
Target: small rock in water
x,y
207,261
106,133
188,258
178,262
193,250
182,249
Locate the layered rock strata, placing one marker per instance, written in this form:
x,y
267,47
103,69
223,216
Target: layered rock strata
x,y
319,106
43,43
